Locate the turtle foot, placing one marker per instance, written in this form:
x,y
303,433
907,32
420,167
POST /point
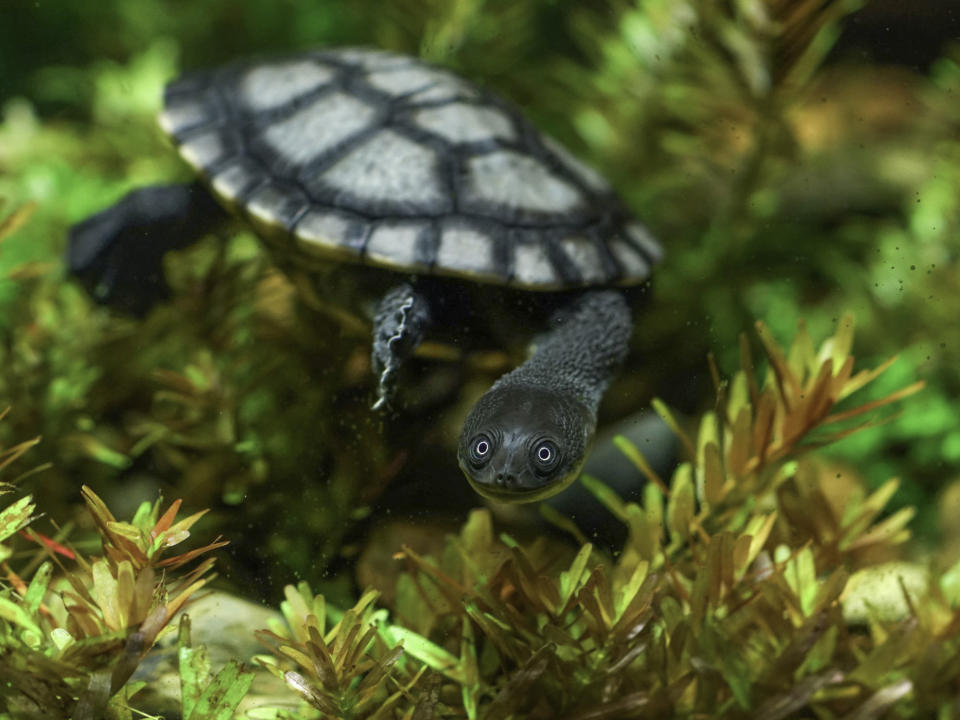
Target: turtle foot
x,y
117,254
399,325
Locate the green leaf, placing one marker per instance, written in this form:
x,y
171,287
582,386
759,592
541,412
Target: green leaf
x,y
681,506
15,517
607,497
220,699
105,594
626,594
801,574
194,668
101,453
570,579
837,347
713,477
638,459
430,653
296,608
470,691
552,516
144,518
16,614
950,585
664,412
758,530
645,532
738,395
707,435
38,588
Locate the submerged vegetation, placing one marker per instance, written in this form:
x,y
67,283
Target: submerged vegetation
x,y
739,592
801,559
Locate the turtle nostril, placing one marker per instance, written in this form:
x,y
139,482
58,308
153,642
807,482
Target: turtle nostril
x,y
506,479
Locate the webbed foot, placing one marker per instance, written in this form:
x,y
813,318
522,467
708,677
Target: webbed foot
x,y
401,320
117,254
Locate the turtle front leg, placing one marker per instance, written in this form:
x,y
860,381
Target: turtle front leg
x,y
529,434
117,254
401,319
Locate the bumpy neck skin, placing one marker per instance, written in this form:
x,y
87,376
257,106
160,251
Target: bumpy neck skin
x,y
527,437
580,352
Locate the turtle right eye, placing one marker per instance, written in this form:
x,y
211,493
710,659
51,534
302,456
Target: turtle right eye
x,y
480,450
546,456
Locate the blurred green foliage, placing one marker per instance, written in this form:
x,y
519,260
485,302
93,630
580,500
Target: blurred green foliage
x,y
783,185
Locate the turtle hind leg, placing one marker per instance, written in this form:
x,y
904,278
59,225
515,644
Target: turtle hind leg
x,y
117,254
400,322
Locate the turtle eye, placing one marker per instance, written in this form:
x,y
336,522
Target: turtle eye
x,y
480,448
546,455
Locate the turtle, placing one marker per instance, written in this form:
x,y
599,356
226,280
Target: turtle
x,y
422,200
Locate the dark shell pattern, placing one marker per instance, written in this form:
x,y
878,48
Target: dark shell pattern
x,y
366,156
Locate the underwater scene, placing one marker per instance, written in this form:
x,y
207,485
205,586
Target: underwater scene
x,y
482,359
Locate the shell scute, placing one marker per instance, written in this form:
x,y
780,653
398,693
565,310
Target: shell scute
x,y
369,156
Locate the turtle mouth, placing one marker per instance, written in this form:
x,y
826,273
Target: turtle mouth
x,y
518,493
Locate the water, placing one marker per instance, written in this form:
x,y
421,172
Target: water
x,y
799,171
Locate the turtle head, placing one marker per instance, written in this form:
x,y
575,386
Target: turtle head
x,y
523,443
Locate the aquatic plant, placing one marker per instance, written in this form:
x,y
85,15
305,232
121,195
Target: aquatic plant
x,y
74,627
191,396
731,594
204,695
730,597
345,670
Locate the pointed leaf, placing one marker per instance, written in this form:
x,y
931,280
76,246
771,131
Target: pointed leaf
x,y
664,412
626,594
746,366
13,453
429,653
801,358
16,614
166,520
682,504
175,533
295,611
874,404
787,382
194,668
865,377
837,347
607,497
300,684
221,697
16,516
639,461
105,594
713,478
558,520
38,588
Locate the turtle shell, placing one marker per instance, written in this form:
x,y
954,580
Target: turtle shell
x,y
367,156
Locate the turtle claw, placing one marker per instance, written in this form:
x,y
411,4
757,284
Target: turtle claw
x,y
398,328
382,403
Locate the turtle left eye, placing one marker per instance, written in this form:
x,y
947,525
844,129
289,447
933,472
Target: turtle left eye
x,y
546,455
480,450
